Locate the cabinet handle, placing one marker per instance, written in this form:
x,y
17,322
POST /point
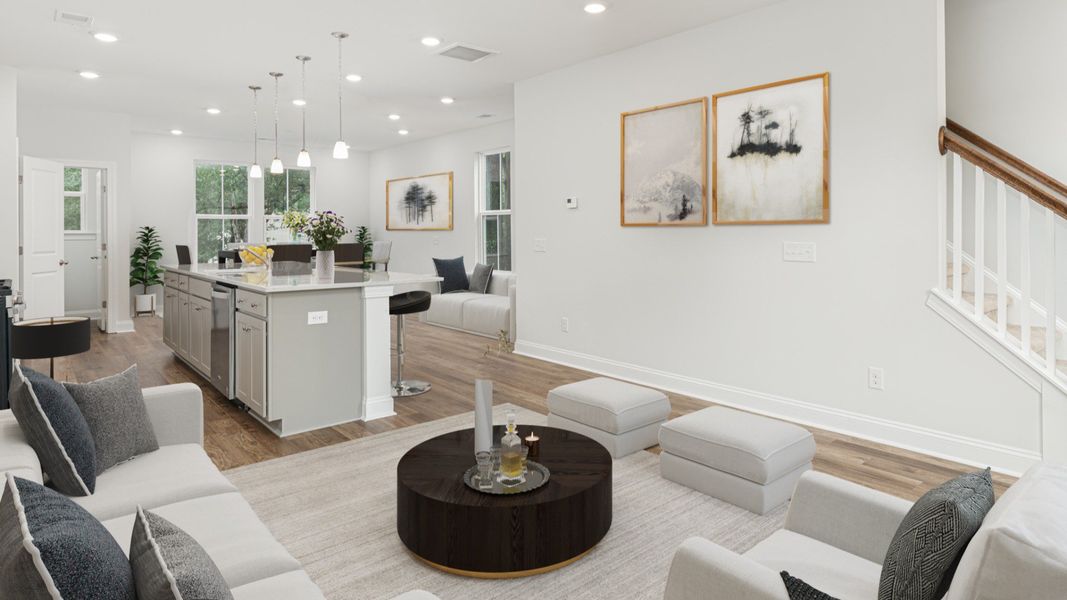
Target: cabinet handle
x,y
254,305
240,301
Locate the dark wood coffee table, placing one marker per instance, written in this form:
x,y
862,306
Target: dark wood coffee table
x,y
456,529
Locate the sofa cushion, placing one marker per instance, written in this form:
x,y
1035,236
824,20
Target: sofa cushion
x,y
500,282
51,548
487,314
287,586
170,474
115,411
16,455
447,309
1021,544
929,541
749,446
609,405
56,430
454,274
229,531
829,569
479,278
168,564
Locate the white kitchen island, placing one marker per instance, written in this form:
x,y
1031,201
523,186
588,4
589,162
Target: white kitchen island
x,y
307,353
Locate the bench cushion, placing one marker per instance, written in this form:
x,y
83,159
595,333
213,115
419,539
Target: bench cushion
x,y
749,446
609,405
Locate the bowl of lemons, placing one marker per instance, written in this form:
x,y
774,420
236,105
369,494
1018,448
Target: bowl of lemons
x,y
255,256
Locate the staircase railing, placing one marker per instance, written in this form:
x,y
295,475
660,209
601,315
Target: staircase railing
x,y
975,234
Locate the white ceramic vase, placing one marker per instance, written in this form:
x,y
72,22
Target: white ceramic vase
x,y
324,265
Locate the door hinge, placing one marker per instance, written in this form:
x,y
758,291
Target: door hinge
x,y
20,250
103,304
20,179
103,246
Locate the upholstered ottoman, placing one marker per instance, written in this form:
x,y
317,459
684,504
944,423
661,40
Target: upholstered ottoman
x,y
747,460
623,417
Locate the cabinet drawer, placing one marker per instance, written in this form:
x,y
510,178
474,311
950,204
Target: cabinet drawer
x,y
200,288
252,303
183,283
170,280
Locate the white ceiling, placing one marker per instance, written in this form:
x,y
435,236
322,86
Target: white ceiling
x,y
174,59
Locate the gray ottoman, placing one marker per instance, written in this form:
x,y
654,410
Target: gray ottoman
x,y
747,460
623,417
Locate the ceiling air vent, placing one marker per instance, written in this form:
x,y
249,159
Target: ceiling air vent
x,y
69,18
466,53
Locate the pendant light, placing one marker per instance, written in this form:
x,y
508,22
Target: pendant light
x,y
255,171
304,158
340,149
276,166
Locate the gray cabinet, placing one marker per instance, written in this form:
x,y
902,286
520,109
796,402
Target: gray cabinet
x,y
184,326
251,363
170,317
200,334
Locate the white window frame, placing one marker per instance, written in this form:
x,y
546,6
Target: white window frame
x,y
80,195
481,212
263,197
194,247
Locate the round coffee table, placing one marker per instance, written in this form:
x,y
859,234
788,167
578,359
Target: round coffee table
x,y
456,529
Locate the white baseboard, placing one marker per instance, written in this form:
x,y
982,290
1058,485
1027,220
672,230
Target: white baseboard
x,y
962,449
92,313
121,327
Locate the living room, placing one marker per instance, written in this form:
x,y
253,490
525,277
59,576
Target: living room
x,y
772,292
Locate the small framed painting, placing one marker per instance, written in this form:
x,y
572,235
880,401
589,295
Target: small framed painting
x,y
771,152
422,203
664,170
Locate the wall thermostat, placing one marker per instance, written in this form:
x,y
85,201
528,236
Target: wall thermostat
x,y
571,202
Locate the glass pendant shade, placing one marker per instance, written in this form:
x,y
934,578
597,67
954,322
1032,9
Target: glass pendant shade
x,y
255,171
303,159
340,149
276,166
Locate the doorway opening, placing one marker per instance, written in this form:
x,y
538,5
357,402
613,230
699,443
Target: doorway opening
x,y
84,232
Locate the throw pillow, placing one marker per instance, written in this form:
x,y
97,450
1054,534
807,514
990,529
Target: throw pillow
x,y
56,430
52,548
168,564
799,590
480,278
454,274
926,548
115,411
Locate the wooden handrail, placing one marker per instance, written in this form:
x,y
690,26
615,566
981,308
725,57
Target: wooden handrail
x,y
1013,171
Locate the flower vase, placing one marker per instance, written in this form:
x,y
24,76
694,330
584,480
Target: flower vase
x,y
324,265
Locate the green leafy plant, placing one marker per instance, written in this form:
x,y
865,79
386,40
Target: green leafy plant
x,y
144,262
363,236
325,229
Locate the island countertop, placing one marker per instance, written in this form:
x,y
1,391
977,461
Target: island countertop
x,y
286,278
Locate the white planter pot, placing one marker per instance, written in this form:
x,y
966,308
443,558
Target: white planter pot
x,y
324,265
144,303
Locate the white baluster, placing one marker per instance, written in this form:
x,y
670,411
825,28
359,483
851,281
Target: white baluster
x,y
1002,259
942,237
1024,273
957,228
1050,292
979,243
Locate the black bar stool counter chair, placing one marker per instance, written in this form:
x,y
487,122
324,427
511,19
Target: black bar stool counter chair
x,y
406,304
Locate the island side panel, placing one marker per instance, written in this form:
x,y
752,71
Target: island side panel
x,y
315,372
377,333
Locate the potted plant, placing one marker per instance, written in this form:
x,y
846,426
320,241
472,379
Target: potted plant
x,y
363,236
325,230
144,268
294,221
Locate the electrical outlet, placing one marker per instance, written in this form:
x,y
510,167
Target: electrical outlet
x,y
319,317
798,251
565,325
875,378
539,244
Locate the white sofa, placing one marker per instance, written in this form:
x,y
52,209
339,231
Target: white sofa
x,y
484,314
180,483
836,535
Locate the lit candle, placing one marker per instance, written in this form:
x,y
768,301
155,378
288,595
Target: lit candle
x,y
534,444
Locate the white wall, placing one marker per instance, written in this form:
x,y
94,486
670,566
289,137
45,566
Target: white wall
x,y
9,191
457,152
714,311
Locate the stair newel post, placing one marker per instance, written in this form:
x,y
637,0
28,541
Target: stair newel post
x,y
979,243
942,232
1002,259
1024,274
957,228
1050,292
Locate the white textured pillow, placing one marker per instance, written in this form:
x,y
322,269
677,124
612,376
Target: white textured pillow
x,y
1021,549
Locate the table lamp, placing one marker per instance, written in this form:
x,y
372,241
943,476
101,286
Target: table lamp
x,y
49,338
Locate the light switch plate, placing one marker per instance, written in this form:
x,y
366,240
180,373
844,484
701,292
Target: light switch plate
x,y
798,251
571,202
318,317
539,244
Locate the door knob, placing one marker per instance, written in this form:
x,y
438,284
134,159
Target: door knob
x,y
63,262
94,258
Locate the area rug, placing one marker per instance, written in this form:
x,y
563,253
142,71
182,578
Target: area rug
x,y
334,509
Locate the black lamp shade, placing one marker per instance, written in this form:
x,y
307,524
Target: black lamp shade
x,y
49,338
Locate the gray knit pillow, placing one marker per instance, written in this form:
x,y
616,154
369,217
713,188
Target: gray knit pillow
x,y
52,548
114,409
479,279
56,430
168,564
923,555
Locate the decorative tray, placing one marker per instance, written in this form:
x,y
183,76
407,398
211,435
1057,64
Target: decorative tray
x,y
536,476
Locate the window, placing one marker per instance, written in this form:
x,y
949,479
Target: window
x,y
287,191
221,208
73,200
494,209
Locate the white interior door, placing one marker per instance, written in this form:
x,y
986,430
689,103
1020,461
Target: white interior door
x,y
101,247
42,238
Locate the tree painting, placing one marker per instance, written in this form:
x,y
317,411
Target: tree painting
x,y
415,202
770,137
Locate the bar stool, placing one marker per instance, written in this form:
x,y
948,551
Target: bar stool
x,y
400,305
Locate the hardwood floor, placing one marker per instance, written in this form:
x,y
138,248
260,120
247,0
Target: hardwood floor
x,y
451,361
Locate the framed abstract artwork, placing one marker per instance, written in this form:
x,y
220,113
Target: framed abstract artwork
x,y
664,165
422,203
771,153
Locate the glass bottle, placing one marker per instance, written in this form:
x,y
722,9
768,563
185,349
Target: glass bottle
x,y
511,455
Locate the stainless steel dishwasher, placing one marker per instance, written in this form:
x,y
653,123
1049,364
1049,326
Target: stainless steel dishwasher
x,y
222,338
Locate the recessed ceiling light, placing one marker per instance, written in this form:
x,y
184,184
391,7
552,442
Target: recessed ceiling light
x,y
105,37
176,132
299,102
403,132
447,100
89,74
431,41
394,117
213,111
353,77
595,8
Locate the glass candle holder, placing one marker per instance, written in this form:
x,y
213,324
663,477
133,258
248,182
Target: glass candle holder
x,y
485,469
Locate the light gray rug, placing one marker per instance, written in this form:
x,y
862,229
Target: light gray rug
x,y
334,510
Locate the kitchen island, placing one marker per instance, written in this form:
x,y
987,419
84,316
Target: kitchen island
x,y
299,352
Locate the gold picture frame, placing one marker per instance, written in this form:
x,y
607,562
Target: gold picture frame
x,y
717,200
675,218
413,216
